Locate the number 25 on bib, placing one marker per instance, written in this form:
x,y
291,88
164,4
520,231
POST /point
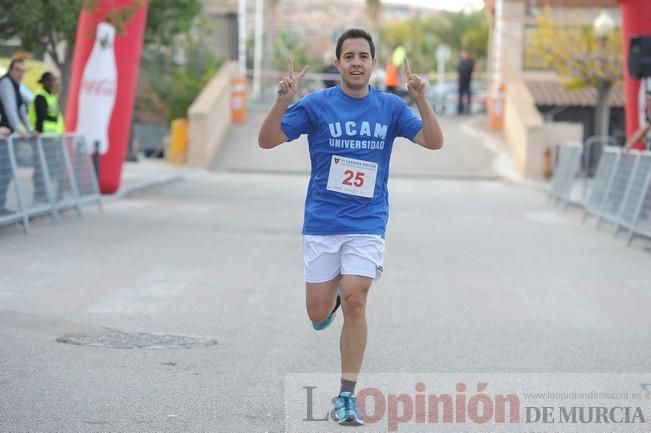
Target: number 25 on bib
x,y
352,176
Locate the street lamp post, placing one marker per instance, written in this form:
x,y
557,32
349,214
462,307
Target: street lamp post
x,y
603,26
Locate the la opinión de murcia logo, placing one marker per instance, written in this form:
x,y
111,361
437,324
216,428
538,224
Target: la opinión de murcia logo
x,y
422,408
478,407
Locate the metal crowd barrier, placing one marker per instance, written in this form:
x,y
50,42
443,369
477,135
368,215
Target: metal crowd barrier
x,y
641,225
592,150
565,172
45,175
619,185
634,214
603,179
574,161
620,193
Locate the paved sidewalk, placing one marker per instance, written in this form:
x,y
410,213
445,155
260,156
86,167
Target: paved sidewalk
x,y
480,276
468,153
146,173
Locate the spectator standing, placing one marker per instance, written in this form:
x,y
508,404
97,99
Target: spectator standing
x,y
13,116
45,114
464,72
329,69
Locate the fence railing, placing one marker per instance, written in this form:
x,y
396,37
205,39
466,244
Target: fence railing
x,y
569,160
45,175
619,193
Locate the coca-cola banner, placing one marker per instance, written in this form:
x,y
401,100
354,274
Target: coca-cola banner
x,y
103,84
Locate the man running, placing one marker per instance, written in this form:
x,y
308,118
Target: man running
x,y
351,128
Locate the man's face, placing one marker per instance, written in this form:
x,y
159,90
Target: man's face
x,y
17,72
355,63
56,86
52,85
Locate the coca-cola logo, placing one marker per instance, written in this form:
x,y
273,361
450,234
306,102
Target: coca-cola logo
x,y
98,87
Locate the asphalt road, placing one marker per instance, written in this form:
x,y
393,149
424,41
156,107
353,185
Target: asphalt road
x,y
481,275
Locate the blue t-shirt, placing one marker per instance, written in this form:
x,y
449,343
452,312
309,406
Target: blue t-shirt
x,y
358,128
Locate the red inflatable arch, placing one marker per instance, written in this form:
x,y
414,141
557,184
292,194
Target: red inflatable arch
x,y
636,21
103,84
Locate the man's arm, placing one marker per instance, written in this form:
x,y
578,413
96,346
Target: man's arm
x,y
22,113
271,134
40,106
430,136
42,112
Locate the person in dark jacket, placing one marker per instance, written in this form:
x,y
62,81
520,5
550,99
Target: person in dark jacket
x,y
331,70
464,72
13,116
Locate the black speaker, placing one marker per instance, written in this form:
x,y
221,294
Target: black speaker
x,y
639,57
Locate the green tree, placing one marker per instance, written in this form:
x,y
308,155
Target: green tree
x,y
289,44
581,59
44,26
412,35
172,82
421,37
168,18
475,40
450,29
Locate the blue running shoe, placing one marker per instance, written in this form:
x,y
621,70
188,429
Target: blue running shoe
x,y
320,326
346,411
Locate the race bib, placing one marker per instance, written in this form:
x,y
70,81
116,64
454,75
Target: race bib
x,y
352,176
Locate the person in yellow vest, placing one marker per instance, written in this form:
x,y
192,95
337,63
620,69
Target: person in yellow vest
x,y
45,115
44,112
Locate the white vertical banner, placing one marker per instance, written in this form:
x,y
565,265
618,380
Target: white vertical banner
x,y
496,75
241,33
257,59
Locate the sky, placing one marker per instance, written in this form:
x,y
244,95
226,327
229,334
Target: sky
x,y
452,5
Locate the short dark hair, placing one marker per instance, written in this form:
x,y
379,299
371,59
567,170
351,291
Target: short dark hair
x,y
354,34
47,77
13,62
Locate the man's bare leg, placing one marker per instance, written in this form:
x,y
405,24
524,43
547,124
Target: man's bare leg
x,y
354,290
320,298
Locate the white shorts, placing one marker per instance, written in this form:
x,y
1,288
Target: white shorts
x,y
329,256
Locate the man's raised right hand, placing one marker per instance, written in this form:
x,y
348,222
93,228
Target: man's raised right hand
x,y
288,86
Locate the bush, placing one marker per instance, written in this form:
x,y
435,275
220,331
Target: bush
x,y
172,86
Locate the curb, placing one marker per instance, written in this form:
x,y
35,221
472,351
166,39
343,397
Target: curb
x,y
161,179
